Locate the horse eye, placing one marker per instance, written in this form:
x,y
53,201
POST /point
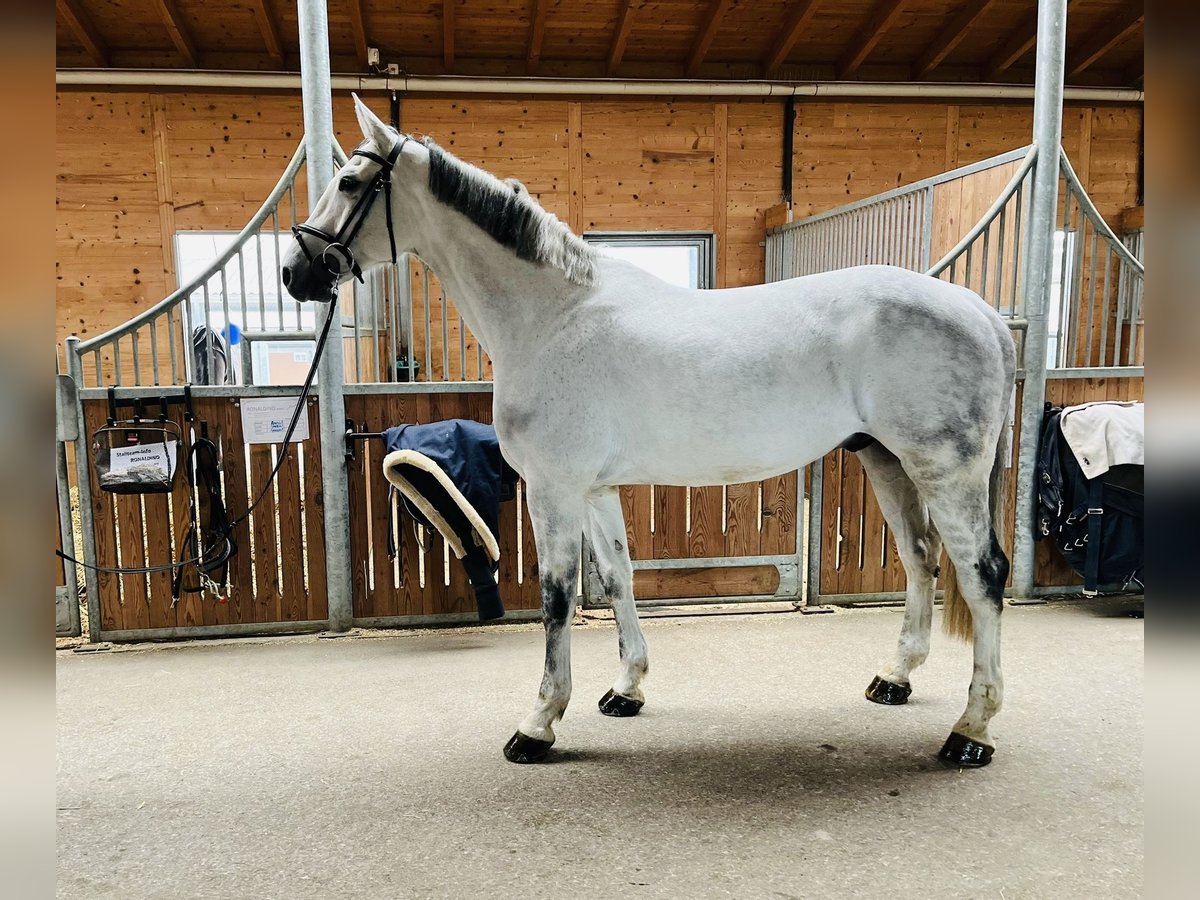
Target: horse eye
x,y
347,185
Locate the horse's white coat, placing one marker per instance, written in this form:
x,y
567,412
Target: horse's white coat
x,y
605,375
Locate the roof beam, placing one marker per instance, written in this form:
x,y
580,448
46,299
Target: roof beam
x,y
884,16
708,31
175,27
1103,39
1019,42
950,37
358,24
621,36
537,30
801,15
83,28
270,31
448,34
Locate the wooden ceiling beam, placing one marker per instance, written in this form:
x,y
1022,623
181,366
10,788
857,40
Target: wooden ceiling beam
x,y
448,34
801,15
708,30
1019,42
179,35
621,36
358,24
270,31
1093,47
537,30
950,37
85,31
882,18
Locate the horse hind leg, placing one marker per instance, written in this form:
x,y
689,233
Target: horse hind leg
x,y
920,547
963,518
606,535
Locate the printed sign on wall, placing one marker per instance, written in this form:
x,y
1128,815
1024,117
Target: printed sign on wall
x,y
265,420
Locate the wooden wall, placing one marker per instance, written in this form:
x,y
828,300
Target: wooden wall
x,y
134,167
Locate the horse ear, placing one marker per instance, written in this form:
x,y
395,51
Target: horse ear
x,y
372,127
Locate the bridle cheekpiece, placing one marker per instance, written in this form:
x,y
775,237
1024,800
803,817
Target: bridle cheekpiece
x,y
337,258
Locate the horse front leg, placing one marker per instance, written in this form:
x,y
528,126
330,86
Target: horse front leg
x,y
557,518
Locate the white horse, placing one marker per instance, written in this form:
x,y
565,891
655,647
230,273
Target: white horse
x,y
605,376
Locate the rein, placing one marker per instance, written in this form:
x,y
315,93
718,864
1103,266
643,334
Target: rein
x,y
338,243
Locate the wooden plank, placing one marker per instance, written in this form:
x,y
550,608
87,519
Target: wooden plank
x,y
293,600
741,520
575,165
949,38
951,138
135,611
537,31
850,581
885,14
779,531
448,34
706,537
802,14
228,416
157,525
266,553
314,519
728,581
721,190
621,36
177,31
1104,38
635,503
269,31
872,544
831,505
360,536
710,22
358,25
670,522
85,30
104,522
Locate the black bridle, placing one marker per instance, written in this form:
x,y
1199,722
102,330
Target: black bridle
x,y
337,258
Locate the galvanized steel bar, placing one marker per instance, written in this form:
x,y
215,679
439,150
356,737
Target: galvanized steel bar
x,y
137,362
171,344
1087,356
1073,298
816,500
428,323
83,484
318,139
1015,298
1047,134
927,202
1105,317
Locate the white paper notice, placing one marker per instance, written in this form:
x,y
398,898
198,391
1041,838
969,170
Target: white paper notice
x,y
265,420
157,460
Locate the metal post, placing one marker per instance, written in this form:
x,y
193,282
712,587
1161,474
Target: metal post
x,y
318,148
83,483
1039,239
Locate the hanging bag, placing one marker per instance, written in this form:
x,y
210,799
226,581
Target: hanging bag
x,y
138,455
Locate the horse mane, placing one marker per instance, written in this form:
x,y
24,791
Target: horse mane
x,y
510,216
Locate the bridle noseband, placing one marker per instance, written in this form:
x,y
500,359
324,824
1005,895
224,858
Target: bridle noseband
x,y
337,258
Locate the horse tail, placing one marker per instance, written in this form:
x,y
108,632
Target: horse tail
x,y
956,615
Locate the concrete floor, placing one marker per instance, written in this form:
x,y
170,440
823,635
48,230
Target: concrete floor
x,y
372,768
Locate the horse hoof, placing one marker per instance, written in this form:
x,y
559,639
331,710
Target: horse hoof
x,y
613,704
524,749
960,752
888,692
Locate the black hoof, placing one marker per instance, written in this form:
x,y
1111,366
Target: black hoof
x,y
888,692
960,752
523,749
612,704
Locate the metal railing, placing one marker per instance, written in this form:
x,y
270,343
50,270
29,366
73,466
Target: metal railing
x,y
1100,282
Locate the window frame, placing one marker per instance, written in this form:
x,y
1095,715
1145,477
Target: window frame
x,y
705,241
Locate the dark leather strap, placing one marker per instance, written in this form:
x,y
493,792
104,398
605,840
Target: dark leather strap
x,y
1095,513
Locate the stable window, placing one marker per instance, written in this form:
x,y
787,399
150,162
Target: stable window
x,y
683,258
1058,318
267,323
